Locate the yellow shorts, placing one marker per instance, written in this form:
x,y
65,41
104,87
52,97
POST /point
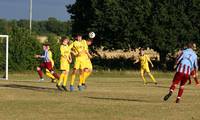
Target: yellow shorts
x,y
64,65
79,63
88,64
144,69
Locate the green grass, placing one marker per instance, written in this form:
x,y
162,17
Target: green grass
x,y
110,96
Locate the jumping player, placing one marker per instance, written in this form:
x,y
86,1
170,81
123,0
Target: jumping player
x,y
65,61
78,48
186,62
87,63
46,64
144,63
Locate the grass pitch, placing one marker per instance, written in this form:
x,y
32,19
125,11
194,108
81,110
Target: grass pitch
x,y
109,96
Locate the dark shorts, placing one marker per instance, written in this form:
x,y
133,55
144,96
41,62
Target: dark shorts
x,y
180,77
46,65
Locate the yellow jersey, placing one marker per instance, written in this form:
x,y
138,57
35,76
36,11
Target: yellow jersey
x,y
65,51
80,47
144,61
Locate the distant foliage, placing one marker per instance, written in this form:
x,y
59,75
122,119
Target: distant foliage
x,y
163,25
22,48
45,27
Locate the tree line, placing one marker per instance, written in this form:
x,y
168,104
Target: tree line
x,y
44,27
163,25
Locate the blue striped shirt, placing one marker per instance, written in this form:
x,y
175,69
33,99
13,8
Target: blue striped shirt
x,y
187,61
45,56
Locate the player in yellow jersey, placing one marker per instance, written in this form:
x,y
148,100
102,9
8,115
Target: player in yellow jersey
x,y
65,61
87,63
48,73
78,48
144,62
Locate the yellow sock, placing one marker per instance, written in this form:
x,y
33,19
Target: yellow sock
x,y
72,79
152,78
143,79
50,75
81,79
61,79
65,80
86,75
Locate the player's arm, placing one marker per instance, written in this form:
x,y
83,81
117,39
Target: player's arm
x,y
149,60
42,56
136,61
88,54
69,58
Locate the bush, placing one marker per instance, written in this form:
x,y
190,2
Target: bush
x,y
22,47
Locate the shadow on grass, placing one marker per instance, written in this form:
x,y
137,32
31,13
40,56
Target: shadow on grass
x,y
27,87
117,99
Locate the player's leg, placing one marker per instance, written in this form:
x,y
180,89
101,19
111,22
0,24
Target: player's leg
x,y
73,76
64,67
48,73
87,72
81,77
74,72
63,80
181,88
150,75
50,68
39,70
177,77
142,75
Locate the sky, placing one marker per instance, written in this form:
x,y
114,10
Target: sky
x,y
42,9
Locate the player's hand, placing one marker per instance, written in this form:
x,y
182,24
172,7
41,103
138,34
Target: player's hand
x,y
37,56
152,65
69,61
175,66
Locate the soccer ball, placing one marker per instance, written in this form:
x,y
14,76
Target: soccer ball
x,y
91,34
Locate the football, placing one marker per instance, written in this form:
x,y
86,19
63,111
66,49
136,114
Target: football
x,y
91,35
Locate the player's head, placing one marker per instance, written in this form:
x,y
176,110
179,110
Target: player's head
x,y
89,42
141,51
194,46
46,46
64,40
79,37
191,45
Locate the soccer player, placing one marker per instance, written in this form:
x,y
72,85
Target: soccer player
x,y
65,61
193,74
46,64
87,64
144,63
78,48
186,62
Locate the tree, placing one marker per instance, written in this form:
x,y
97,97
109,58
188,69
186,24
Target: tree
x,y
162,25
22,48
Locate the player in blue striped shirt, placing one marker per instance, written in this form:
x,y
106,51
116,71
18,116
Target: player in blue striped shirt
x,y
185,64
46,64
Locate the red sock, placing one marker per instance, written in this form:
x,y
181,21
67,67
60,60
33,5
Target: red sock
x,y
180,92
56,75
40,73
173,87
